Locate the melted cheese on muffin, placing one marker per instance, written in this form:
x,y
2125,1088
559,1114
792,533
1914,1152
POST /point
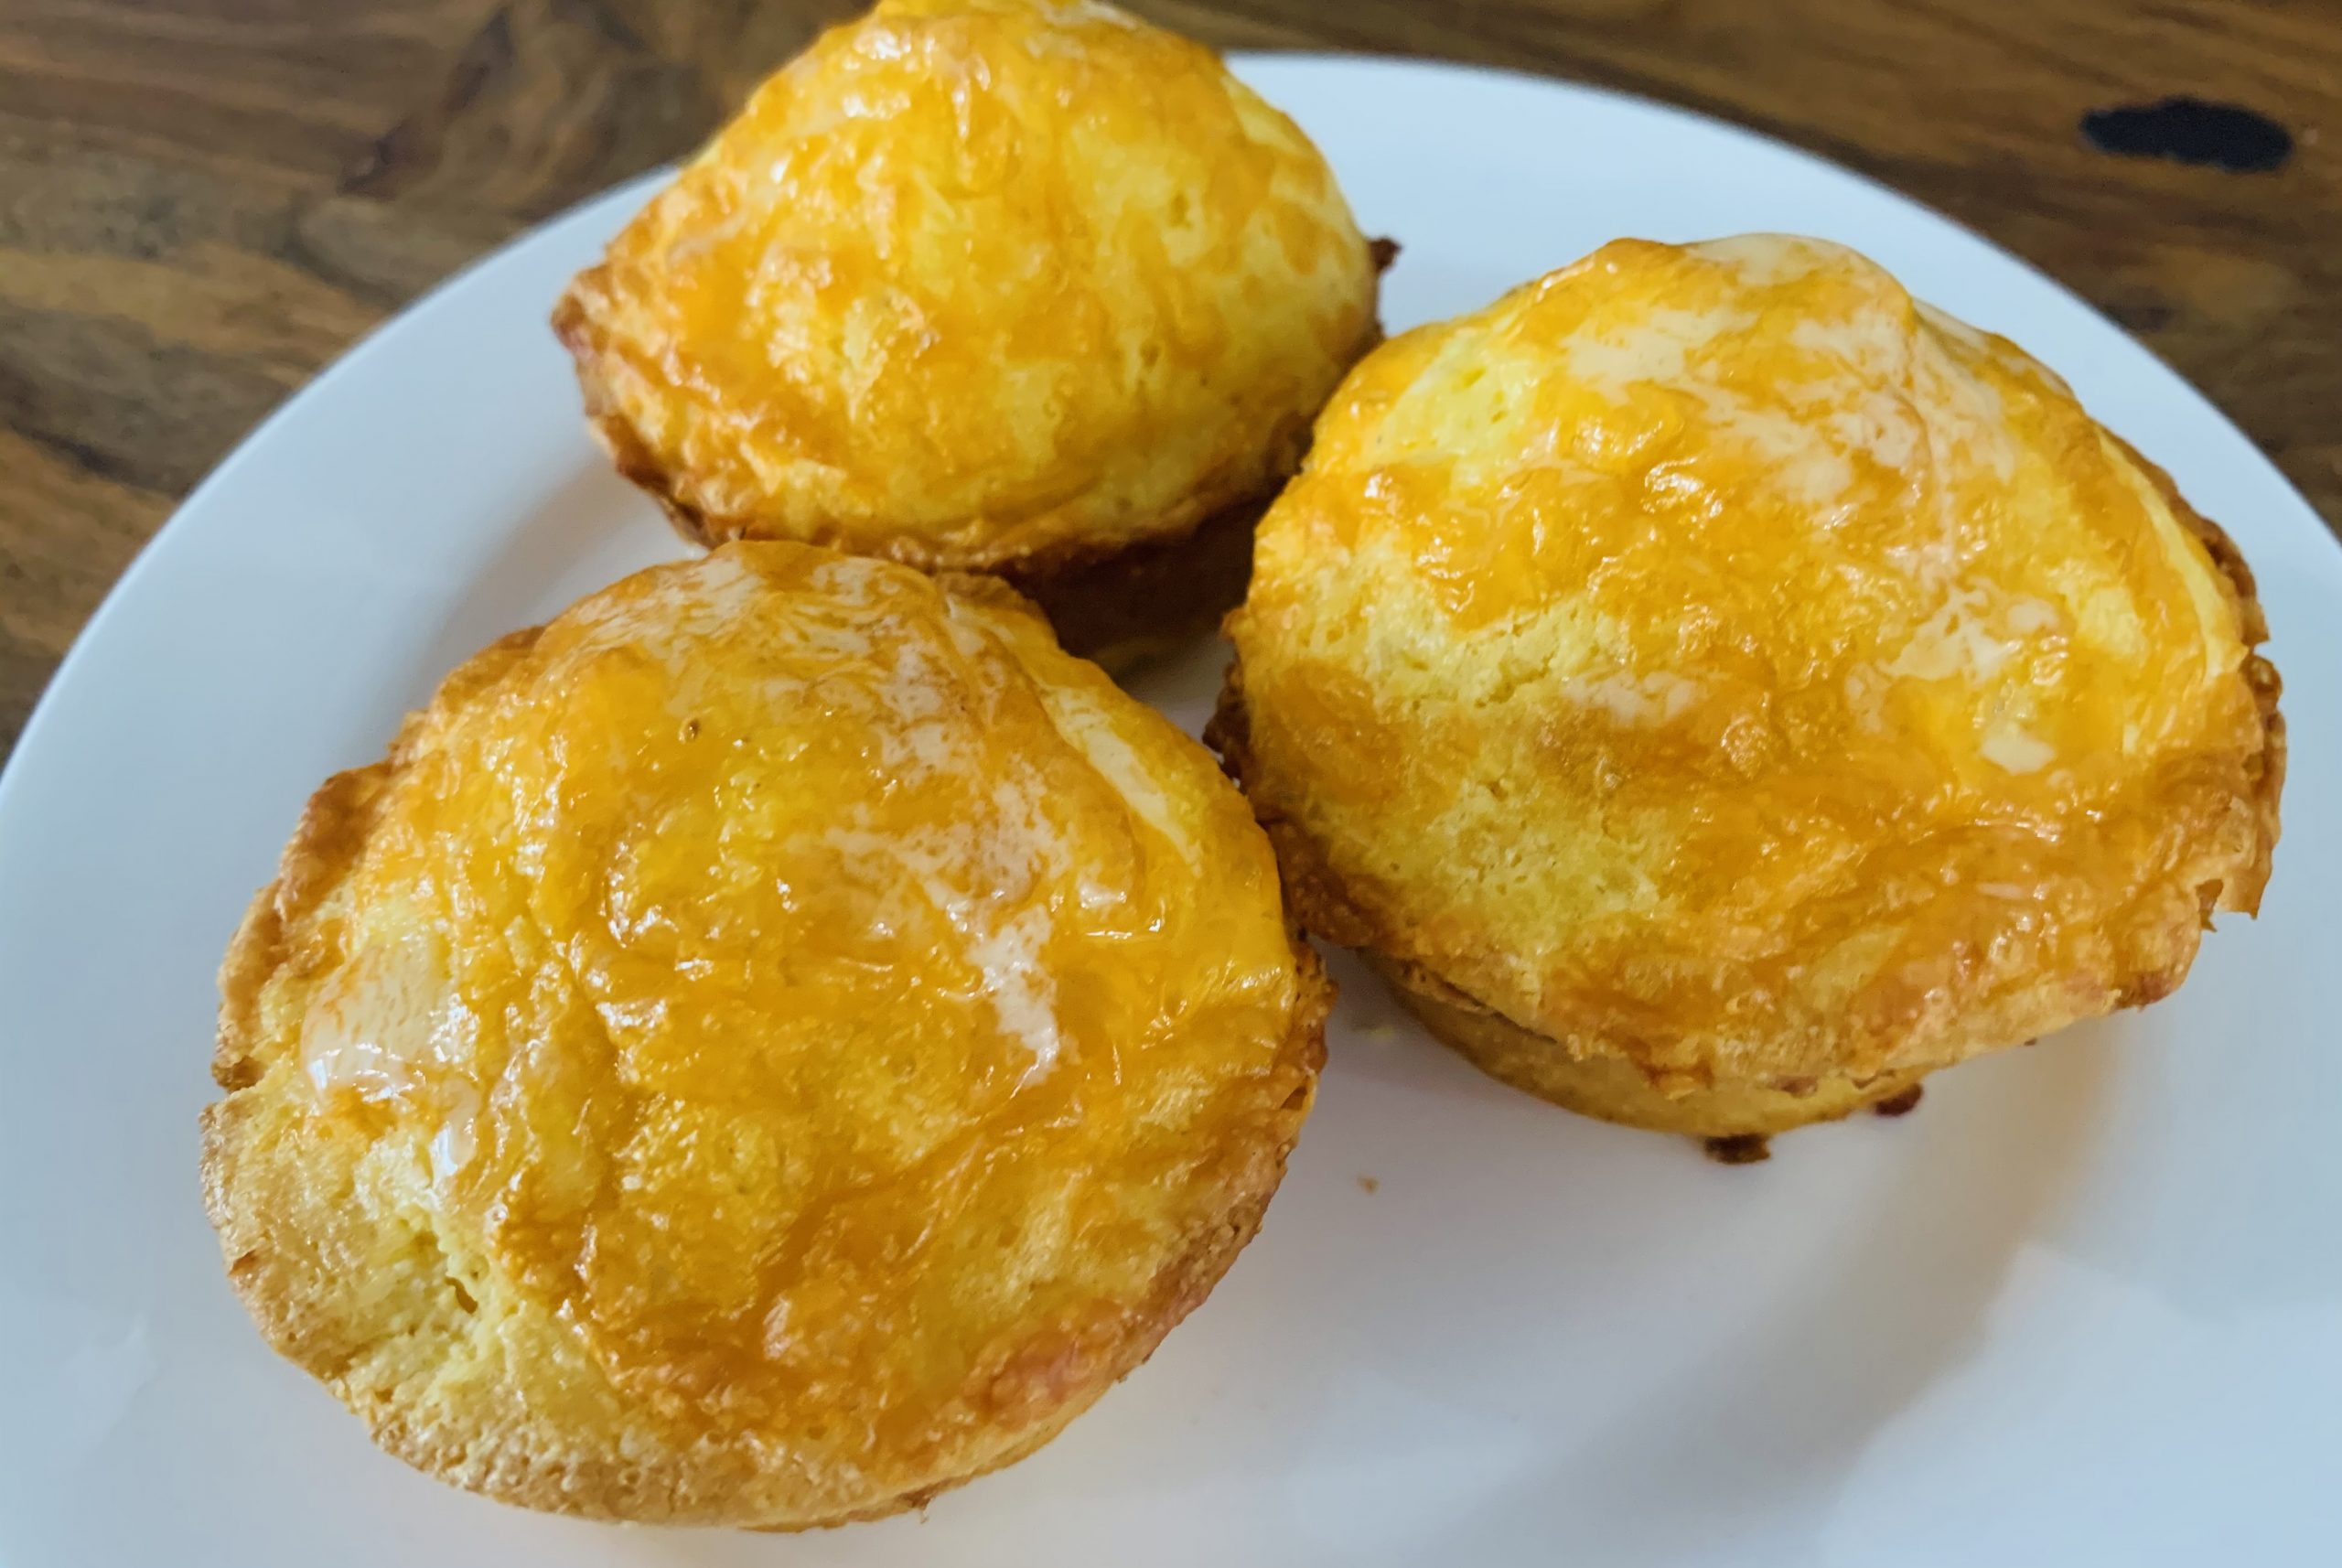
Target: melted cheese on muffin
x,y
776,1041
974,282
1713,656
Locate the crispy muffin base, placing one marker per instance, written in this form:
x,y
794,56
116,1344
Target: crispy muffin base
x,y
1150,599
282,1228
1611,1088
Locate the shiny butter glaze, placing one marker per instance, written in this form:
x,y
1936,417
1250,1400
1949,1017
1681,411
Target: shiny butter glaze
x,y
973,283
840,1009
1713,653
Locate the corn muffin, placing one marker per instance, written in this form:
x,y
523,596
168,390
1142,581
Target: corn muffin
x,y
1718,690
770,1045
1005,286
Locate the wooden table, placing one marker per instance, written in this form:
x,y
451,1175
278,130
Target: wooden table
x,y
203,201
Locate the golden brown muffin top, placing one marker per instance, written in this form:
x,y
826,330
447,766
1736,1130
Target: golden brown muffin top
x,y
761,1047
1711,653
975,281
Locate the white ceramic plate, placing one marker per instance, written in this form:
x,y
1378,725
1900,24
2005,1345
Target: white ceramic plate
x,y
2084,1307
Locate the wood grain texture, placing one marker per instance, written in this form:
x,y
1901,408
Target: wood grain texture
x,y
203,201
